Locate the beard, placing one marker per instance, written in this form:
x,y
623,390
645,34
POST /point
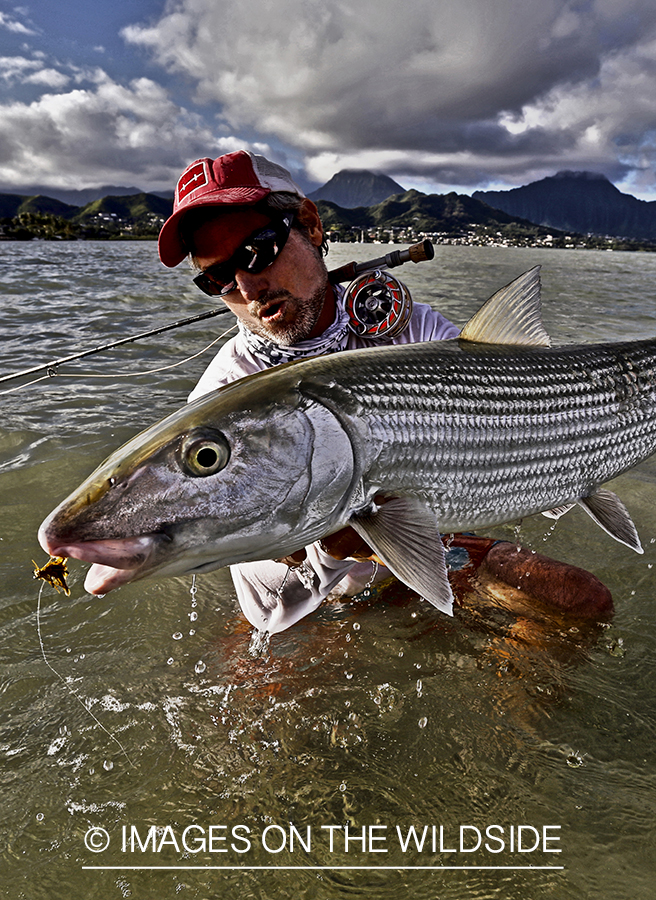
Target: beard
x,y
304,314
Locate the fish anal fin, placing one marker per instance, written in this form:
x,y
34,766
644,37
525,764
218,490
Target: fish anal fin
x,y
609,513
405,535
511,316
558,511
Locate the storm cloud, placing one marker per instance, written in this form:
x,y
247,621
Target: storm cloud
x,y
436,93
463,91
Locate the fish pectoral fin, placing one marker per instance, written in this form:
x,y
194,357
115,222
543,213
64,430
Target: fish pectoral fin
x,y
404,533
558,511
512,316
611,514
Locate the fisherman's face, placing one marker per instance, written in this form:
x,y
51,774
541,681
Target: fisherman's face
x,y
286,302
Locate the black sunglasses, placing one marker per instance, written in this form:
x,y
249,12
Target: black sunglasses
x,y
257,252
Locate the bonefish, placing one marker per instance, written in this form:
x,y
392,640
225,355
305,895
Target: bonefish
x,y
460,434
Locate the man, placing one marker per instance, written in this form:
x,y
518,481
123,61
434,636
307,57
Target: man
x,y
258,243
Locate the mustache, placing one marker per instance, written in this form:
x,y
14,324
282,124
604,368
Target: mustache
x,y
268,299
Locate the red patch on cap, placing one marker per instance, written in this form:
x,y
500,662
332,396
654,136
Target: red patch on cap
x,y
194,177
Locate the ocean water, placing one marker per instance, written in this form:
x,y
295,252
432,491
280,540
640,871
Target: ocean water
x,y
149,755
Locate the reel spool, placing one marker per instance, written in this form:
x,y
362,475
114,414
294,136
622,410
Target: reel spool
x,y
378,305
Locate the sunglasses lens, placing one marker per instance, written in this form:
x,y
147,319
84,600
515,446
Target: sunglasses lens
x,y
214,286
256,254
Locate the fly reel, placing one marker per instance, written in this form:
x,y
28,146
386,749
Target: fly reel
x,y
378,305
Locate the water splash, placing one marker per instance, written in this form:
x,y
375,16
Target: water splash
x,y
259,645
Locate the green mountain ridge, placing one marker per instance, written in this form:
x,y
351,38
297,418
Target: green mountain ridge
x,y
26,216
585,202
428,213
403,217
351,188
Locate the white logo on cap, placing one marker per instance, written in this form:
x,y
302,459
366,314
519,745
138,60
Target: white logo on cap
x,y
193,178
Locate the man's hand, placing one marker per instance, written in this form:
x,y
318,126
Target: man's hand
x,y
347,543
294,560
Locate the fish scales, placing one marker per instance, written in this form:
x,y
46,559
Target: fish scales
x,y
541,427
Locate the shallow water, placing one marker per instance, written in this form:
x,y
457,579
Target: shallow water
x,y
376,715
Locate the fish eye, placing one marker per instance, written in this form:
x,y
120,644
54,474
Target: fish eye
x,y
204,453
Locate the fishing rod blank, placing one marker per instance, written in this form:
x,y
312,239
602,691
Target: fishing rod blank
x,y
416,253
53,364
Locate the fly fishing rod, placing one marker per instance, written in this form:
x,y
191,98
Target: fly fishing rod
x,y
348,272
377,303
51,367
417,253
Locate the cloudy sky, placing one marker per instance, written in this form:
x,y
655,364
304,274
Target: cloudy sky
x,y
439,94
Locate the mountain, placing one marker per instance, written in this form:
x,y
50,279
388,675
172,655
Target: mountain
x,y
79,197
429,213
137,215
137,208
14,204
578,201
351,188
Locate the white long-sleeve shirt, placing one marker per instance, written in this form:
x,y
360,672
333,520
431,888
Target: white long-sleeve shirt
x,y
272,596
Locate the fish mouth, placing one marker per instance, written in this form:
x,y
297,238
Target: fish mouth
x,y
116,561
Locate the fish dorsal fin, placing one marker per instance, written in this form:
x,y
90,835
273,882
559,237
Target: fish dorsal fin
x,y
511,316
404,533
611,514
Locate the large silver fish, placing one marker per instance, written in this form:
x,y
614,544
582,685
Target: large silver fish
x,y
462,434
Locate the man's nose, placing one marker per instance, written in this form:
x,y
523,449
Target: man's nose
x,y
251,285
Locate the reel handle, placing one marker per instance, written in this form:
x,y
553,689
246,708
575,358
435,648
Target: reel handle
x,y
416,253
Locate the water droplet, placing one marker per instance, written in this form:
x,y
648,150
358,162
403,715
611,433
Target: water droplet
x,y
177,636
192,632
423,722
574,759
356,626
193,616
170,661
616,648
108,765
200,667
39,817
419,685
342,786
349,675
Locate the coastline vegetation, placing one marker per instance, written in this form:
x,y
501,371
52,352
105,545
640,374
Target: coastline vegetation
x,y
407,218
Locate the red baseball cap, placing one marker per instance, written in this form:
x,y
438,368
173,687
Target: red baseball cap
x,y
235,179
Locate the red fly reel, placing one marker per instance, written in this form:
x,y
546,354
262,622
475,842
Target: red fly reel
x,y
378,305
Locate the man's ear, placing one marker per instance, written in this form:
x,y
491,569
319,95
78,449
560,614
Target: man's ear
x,y
308,216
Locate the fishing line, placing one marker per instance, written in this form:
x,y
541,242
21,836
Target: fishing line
x,y
148,371
27,384
71,690
52,365
52,372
